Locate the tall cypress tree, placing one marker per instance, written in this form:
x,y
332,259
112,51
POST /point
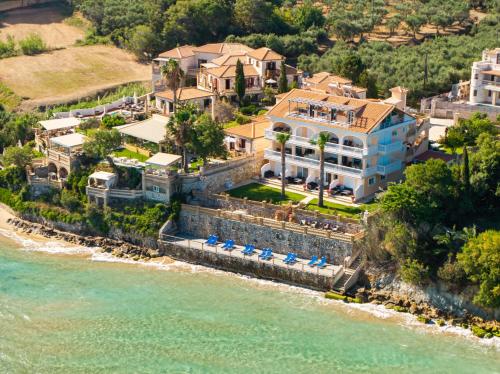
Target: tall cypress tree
x,y
239,83
465,170
283,82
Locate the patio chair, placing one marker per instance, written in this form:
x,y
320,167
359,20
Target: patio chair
x,y
228,245
313,261
322,262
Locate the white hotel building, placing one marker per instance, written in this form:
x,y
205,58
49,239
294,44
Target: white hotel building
x,y
485,79
370,141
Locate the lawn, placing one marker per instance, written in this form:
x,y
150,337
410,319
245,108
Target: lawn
x,y
129,154
260,192
333,208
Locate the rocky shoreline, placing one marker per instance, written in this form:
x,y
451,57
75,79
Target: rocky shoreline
x,y
118,248
391,299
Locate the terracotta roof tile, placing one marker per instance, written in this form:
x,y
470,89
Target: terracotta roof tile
x,y
229,59
222,48
264,53
368,113
229,71
179,52
247,131
185,93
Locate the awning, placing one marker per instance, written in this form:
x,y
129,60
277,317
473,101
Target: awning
x,y
152,130
102,175
61,123
163,159
69,141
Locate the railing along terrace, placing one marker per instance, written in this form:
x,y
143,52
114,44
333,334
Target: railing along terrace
x,y
313,162
321,111
306,142
261,221
492,83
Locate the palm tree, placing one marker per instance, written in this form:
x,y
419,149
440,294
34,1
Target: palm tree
x,y
282,138
173,74
180,128
320,142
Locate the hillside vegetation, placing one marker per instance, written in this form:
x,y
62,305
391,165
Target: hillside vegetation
x,y
324,35
43,60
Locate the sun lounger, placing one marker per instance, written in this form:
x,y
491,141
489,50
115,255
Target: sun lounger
x,y
291,259
228,245
249,250
313,261
288,257
264,253
322,262
212,240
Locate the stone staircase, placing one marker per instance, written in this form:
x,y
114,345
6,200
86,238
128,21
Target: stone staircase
x,y
353,270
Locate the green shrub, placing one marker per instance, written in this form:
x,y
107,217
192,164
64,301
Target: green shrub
x,y
111,121
242,119
33,44
249,110
440,322
8,47
335,296
478,331
400,309
414,272
423,319
70,200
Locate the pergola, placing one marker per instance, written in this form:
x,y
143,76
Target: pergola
x,y
102,179
162,160
68,144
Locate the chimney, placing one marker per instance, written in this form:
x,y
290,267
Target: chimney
x,y
253,130
399,94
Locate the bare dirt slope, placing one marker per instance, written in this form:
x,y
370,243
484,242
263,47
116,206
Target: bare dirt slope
x,y
69,74
47,21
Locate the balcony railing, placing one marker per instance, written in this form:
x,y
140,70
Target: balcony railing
x,y
390,148
307,162
59,157
389,168
491,83
329,147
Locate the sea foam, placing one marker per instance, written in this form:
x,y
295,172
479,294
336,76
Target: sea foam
x,y
406,320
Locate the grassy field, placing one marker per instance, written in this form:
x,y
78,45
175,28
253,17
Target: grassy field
x,y
129,154
259,192
113,95
47,21
8,98
70,74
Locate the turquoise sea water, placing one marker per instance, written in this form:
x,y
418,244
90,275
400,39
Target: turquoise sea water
x,y
68,314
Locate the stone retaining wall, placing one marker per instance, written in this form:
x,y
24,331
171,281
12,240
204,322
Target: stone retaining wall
x,y
268,210
247,267
220,178
202,224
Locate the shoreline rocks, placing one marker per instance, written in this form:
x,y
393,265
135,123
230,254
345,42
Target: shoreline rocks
x,y
391,299
118,248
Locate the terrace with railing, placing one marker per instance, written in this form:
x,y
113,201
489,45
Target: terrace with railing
x,y
321,111
330,147
313,161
